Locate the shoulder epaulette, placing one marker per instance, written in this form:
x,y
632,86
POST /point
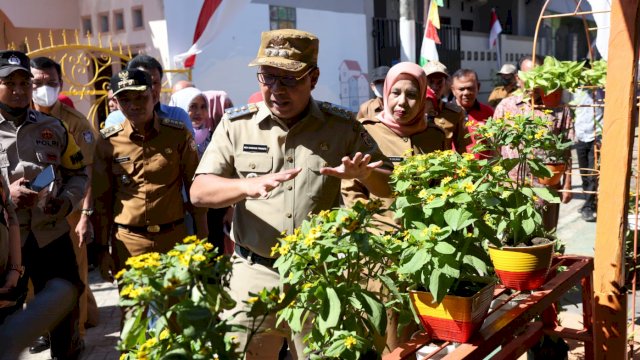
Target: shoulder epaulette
x,y
336,110
177,124
453,107
110,131
237,112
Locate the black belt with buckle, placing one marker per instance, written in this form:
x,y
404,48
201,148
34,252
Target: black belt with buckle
x,y
151,228
253,257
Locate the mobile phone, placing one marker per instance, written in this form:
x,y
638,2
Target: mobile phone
x,y
46,177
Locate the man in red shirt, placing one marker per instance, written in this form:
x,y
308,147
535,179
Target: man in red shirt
x,y
465,88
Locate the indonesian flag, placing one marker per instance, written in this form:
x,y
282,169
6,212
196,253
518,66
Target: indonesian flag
x,y
428,50
495,31
214,16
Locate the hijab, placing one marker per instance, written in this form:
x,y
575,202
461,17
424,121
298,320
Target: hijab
x,y
183,99
218,101
417,124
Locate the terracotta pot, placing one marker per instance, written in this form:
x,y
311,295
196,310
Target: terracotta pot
x,y
522,268
456,318
552,99
557,170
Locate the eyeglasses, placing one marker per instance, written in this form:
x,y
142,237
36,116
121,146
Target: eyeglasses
x,y
288,81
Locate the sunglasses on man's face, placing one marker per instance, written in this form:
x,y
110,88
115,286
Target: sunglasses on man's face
x,y
288,81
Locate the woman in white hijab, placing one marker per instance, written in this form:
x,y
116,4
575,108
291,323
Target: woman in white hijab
x,y
196,104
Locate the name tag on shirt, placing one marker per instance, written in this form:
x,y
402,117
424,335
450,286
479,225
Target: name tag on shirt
x,y
121,159
255,148
396,159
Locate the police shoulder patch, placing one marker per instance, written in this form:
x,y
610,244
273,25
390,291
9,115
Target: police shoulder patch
x,y
238,112
453,107
336,110
110,131
177,124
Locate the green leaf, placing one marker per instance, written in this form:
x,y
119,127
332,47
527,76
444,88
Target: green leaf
x,y
330,314
529,226
444,247
416,263
545,194
375,311
461,198
457,218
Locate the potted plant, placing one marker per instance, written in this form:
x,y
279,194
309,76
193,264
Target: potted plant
x,y
440,261
552,77
185,291
326,265
522,257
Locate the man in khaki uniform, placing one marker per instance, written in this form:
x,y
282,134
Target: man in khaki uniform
x,y
47,82
447,115
30,141
139,169
258,150
508,84
370,108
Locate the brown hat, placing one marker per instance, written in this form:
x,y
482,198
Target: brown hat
x,y
287,49
435,67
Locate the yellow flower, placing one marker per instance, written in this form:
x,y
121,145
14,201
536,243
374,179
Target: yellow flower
x,y
252,300
446,180
469,123
207,246
123,356
422,194
497,169
535,198
198,257
462,171
468,156
350,341
468,234
435,228
307,286
126,290
173,253
324,214
190,239
120,273
431,198
284,249
309,240
508,115
540,134
407,152
164,334
469,187
275,248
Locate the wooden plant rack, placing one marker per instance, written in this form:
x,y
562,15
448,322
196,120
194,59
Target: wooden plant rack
x,y
509,333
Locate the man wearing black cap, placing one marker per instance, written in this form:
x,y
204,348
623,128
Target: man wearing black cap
x,y
139,169
256,152
29,142
372,107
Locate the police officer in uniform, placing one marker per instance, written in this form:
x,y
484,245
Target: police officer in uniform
x,y
278,161
447,115
47,83
29,142
139,169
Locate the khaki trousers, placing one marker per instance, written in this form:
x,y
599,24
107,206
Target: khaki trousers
x,y
250,277
86,301
128,243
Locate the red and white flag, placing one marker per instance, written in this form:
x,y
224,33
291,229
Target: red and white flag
x,y
428,50
214,16
495,31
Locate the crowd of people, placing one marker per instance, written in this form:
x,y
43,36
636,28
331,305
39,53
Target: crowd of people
x,y
158,172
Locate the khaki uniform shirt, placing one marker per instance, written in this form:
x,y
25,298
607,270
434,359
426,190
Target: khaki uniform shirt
x,y
137,180
254,143
497,94
25,151
395,147
451,120
79,127
370,108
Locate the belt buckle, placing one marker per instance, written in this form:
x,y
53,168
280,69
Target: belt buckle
x,y
153,228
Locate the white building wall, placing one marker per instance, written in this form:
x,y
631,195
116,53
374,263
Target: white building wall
x,y
222,65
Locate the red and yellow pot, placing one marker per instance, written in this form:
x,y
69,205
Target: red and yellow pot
x,y
456,318
522,268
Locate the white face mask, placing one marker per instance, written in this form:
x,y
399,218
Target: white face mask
x,y
378,89
46,95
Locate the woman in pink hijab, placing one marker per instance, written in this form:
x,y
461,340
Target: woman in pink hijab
x,y
402,127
